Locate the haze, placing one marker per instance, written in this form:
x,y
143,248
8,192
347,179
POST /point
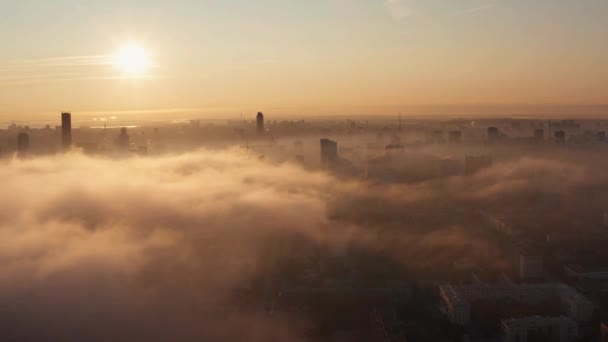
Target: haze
x,y
315,171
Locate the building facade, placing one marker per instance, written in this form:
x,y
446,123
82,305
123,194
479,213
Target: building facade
x,y
456,300
558,329
66,130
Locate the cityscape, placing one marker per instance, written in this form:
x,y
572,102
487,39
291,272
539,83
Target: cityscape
x,y
421,230
303,171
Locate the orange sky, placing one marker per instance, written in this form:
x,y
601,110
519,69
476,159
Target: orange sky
x,y
219,58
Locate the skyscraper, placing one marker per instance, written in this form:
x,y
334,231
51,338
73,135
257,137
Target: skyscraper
x,y
493,133
123,139
329,152
23,143
260,123
66,130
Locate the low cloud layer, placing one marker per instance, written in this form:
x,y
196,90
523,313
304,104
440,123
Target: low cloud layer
x,y
143,248
162,249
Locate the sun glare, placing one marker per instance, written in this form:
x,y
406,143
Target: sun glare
x,y
133,60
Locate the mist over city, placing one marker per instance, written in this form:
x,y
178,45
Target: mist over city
x,y
382,170
263,229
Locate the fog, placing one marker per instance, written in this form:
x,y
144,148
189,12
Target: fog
x,y
163,248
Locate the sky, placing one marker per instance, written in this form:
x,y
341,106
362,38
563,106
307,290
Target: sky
x,y
219,58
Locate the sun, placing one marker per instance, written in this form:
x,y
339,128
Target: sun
x,y
133,60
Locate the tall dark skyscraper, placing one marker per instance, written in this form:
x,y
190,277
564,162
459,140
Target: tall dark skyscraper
x,y
260,123
66,130
23,143
329,152
493,133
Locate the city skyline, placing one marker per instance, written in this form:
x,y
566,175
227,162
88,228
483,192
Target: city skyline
x,y
291,171
413,229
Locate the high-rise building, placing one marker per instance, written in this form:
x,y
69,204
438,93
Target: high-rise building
x,y
260,123
539,134
66,130
123,139
493,133
329,152
23,143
